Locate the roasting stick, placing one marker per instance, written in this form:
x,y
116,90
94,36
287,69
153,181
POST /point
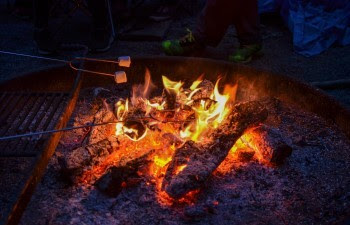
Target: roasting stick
x,y
85,126
54,131
119,76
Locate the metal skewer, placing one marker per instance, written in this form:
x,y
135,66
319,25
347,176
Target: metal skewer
x,y
123,61
85,126
54,131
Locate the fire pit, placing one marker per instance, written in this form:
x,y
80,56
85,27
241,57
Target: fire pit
x,y
197,141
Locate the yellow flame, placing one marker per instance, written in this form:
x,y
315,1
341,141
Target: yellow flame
x,y
142,91
196,83
122,109
172,86
161,162
207,114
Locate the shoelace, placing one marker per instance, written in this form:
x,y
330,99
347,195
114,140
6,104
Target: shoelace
x,y
188,39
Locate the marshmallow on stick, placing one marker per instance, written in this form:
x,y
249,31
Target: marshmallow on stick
x,y
120,77
124,61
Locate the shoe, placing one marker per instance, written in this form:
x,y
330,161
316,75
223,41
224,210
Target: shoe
x,y
44,41
101,40
245,53
22,13
182,47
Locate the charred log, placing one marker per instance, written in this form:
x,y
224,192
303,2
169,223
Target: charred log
x,y
124,175
74,162
206,88
245,156
271,146
170,99
193,163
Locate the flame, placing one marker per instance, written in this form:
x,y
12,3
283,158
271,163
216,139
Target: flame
x,y
208,114
143,133
142,91
196,82
172,86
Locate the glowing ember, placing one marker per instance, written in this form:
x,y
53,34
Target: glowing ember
x,y
162,124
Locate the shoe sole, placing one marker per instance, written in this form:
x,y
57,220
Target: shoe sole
x,y
44,52
254,56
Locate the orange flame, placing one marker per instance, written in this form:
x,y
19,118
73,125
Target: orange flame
x,y
140,137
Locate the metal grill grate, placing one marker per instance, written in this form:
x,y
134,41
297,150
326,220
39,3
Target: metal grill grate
x,y
24,113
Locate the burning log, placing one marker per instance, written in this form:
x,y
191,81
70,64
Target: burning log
x,y
98,133
193,163
74,162
270,145
206,88
123,175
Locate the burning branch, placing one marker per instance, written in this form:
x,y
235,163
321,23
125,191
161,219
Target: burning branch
x,y
193,163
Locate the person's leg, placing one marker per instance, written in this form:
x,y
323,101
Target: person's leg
x,y
102,37
41,13
42,37
214,20
246,21
22,9
98,9
211,26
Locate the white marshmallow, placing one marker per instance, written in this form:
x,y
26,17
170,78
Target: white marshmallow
x,y
120,77
124,61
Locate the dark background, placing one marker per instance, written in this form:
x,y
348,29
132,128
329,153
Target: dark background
x,y
279,57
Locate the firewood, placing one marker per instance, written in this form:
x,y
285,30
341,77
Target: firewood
x,y
198,161
122,175
271,146
74,162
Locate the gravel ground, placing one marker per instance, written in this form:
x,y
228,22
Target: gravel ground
x,y
279,57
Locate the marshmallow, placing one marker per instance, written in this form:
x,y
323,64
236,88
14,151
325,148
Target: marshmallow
x,y
120,77
124,61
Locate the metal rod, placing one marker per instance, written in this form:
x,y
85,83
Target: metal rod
x,y
35,57
69,62
85,126
55,131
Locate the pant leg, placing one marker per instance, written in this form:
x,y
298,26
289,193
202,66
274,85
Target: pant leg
x,y
41,13
23,3
246,21
214,20
98,9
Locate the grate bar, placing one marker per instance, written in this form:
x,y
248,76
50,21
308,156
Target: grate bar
x,y
55,102
10,109
52,113
16,125
15,115
2,97
38,103
28,112
7,100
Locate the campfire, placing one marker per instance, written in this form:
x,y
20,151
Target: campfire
x,y
173,141
242,148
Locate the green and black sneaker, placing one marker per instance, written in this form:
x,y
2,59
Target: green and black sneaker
x,y
182,47
245,53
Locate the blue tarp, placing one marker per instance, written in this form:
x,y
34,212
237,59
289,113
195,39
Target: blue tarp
x,y
315,24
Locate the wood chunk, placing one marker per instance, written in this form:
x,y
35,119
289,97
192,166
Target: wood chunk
x,y
271,146
198,161
170,99
245,156
74,162
112,182
99,133
118,177
206,89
